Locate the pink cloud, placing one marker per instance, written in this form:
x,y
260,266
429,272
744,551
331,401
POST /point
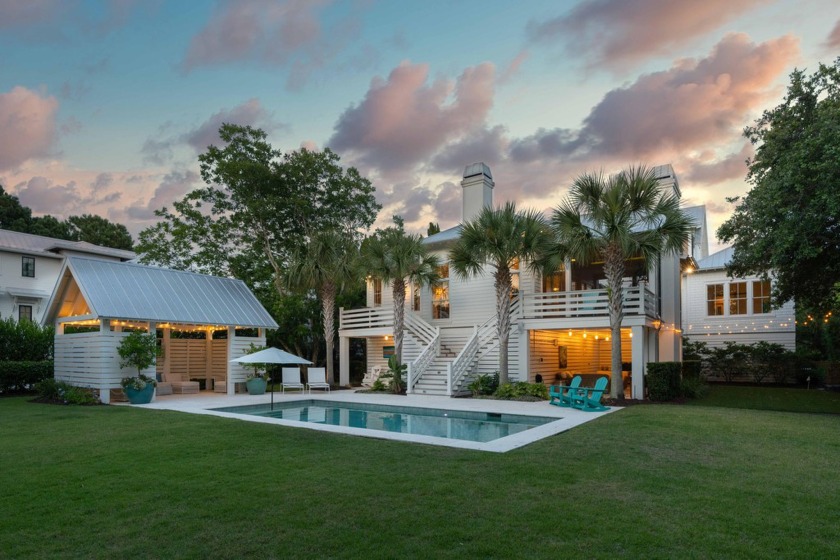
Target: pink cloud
x,y
173,187
833,40
616,32
27,126
18,14
403,120
731,166
250,113
695,103
275,33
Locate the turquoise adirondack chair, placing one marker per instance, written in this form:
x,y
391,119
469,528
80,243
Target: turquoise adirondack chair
x,y
589,400
561,395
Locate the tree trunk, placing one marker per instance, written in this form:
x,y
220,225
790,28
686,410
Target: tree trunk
x,y
398,290
502,284
328,292
614,271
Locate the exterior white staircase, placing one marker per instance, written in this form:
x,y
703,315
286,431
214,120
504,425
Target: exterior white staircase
x,y
447,361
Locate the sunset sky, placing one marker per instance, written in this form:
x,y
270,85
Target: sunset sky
x,y
104,106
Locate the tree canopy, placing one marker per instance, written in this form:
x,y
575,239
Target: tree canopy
x,y
258,208
87,227
788,225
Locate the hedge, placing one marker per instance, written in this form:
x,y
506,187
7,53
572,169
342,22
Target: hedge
x,y
25,341
22,376
663,380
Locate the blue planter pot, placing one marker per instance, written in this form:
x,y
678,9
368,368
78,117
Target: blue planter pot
x,y
143,396
256,386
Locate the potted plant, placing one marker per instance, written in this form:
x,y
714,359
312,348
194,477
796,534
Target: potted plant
x,y
140,389
256,382
138,350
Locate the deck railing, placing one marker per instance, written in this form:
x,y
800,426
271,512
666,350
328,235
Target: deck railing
x,y
366,318
587,303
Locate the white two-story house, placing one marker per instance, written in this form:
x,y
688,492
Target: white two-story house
x,y
717,308
559,322
29,269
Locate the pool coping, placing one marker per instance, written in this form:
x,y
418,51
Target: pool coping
x,y
567,418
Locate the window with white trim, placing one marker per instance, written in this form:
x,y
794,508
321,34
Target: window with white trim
x,y
714,300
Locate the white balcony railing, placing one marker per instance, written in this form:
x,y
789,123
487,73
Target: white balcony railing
x,y
587,303
366,318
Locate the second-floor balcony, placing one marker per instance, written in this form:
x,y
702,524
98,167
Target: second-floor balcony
x,y
638,302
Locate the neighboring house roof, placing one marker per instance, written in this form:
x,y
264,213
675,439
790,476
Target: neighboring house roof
x,y
119,290
18,242
444,236
716,261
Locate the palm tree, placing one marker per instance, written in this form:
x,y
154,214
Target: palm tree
x,y
326,264
612,219
396,257
500,237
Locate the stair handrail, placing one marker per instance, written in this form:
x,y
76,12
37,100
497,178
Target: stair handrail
x,y
417,368
417,326
456,370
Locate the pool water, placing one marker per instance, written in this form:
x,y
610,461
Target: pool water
x,y
450,424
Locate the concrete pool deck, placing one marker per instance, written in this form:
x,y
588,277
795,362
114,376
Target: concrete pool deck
x,y
567,418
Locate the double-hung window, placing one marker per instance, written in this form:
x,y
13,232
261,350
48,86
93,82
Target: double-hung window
x,y
714,300
440,294
27,268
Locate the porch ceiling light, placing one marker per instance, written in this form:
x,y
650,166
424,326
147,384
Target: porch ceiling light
x,y
657,324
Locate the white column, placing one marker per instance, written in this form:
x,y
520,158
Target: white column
x,y
343,361
105,392
524,354
639,349
208,360
231,386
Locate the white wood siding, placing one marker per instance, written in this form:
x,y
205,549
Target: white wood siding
x,y
46,274
91,360
238,346
777,326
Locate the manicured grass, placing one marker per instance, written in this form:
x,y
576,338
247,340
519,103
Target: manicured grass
x,y
771,398
647,482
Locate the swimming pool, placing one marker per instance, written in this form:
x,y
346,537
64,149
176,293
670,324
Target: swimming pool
x,y
471,426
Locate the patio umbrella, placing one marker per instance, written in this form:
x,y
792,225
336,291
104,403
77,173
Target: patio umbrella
x,y
271,356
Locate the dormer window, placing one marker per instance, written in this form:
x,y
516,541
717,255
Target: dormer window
x,y
27,267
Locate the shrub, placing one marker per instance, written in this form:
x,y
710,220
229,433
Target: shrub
x,y
25,341
485,384
691,369
379,386
395,373
22,376
663,380
137,383
59,392
730,360
693,388
521,389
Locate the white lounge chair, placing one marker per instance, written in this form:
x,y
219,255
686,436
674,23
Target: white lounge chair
x,y
291,379
317,379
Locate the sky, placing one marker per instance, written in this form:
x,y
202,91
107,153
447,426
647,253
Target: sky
x,y
106,105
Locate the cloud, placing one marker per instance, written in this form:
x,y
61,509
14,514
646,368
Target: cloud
x,y
27,126
274,33
15,15
687,107
43,196
732,166
833,40
614,33
403,120
250,113
487,144
173,187
513,68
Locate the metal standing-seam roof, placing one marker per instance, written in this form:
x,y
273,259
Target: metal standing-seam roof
x,y
131,291
716,261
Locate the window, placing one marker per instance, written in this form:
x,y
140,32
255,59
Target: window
x,y
554,282
714,299
415,298
28,267
25,312
440,294
761,296
377,292
738,298
514,279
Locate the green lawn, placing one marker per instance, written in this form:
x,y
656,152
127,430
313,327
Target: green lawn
x,y
772,398
647,482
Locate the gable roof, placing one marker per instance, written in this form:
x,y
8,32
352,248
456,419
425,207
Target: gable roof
x,y
17,242
716,261
118,290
